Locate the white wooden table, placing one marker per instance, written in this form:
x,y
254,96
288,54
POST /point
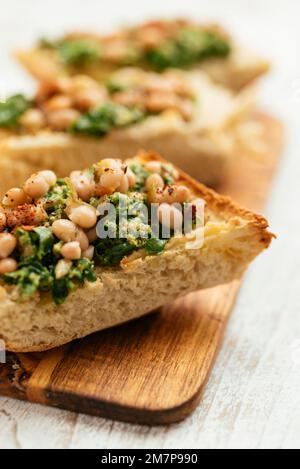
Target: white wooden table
x,y
253,397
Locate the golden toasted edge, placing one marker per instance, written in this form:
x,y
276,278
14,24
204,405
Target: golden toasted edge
x,y
39,65
33,349
218,203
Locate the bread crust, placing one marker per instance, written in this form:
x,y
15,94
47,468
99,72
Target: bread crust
x,y
201,147
144,283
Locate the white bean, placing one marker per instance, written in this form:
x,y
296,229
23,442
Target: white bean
x,y
8,243
71,251
170,217
62,118
182,194
14,197
8,265
60,101
82,239
2,221
155,195
36,186
176,194
65,230
62,268
153,167
81,83
49,176
92,235
88,253
82,184
90,98
155,180
124,186
131,177
110,163
84,216
111,178
33,119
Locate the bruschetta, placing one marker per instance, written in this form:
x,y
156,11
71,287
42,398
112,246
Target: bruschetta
x,y
62,279
155,45
75,121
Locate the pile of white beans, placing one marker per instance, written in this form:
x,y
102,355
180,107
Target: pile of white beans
x,y
70,231
61,103
34,188
78,230
169,216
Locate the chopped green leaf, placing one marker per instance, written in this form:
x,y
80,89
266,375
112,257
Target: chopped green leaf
x,y
115,86
141,176
99,122
30,277
25,245
155,246
110,252
46,241
33,276
60,290
78,52
190,46
81,271
12,109
56,199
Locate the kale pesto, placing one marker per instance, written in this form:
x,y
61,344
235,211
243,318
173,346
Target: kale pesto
x,y
74,52
12,109
36,272
78,52
182,48
109,251
101,121
56,199
189,47
141,175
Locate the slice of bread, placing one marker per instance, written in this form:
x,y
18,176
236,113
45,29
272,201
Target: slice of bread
x,y
202,146
235,71
233,238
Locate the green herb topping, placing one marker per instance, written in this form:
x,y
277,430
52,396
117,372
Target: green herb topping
x,y
73,52
12,109
108,117
180,47
56,199
78,53
188,48
111,251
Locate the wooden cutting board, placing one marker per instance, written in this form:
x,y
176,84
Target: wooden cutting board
x,y
152,370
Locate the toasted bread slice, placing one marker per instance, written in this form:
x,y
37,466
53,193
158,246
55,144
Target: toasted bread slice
x,y
233,237
201,146
235,67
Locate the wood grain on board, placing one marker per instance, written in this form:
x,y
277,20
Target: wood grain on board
x,y
154,369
